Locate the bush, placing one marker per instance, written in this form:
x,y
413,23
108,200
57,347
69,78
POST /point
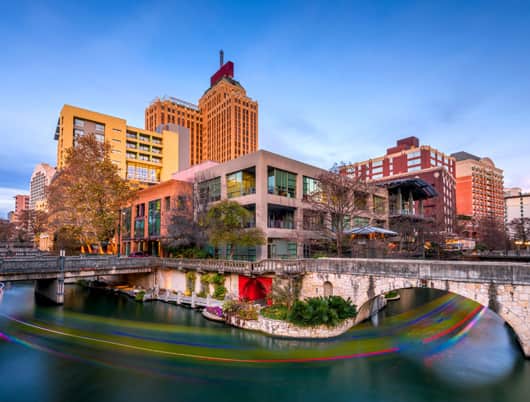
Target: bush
x,y
391,294
329,311
243,310
139,296
219,292
275,312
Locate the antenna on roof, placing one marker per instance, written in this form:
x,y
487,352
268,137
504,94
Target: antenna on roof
x,y
221,58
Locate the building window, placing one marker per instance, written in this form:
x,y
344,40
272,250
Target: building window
x,y
281,182
241,183
167,203
310,186
153,218
280,217
210,190
100,127
126,222
379,205
378,163
312,220
79,123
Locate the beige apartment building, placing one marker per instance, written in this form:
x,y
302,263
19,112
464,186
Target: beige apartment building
x,y
142,156
275,189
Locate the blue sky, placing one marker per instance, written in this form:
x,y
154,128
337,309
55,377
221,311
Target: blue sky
x,y
335,81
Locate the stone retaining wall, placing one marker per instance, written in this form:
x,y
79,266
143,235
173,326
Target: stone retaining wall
x,y
288,330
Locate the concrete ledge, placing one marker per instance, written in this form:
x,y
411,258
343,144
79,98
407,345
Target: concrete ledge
x,y
285,329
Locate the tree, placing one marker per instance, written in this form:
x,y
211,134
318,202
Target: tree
x,y
186,224
339,198
7,230
85,197
519,229
227,224
491,233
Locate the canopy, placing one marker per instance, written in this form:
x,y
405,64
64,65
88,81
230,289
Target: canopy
x,y
368,230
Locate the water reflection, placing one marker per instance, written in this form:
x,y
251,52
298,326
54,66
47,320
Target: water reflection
x,y
108,345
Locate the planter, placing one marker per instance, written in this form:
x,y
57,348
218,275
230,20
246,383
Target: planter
x,y
285,329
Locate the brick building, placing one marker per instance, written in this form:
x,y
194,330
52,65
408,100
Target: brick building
x,y
409,159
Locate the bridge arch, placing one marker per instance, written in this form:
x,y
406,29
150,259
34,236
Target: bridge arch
x,y
510,302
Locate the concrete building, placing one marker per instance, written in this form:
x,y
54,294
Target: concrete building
x,y
275,189
40,179
142,156
479,187
517,209
408,159
222,127
144,223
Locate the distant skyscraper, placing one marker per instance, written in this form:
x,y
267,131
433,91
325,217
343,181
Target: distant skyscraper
x,y
409,159
222,127
21,205
40,179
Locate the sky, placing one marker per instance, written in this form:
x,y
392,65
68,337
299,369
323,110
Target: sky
x,y
335,80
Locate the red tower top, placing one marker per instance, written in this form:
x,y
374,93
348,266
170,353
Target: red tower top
x,y
225,70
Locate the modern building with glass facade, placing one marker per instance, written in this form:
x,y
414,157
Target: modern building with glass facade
x,y
275,189
142,156
144,223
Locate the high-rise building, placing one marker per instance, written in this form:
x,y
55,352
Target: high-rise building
x,y
169,110
222,127
479,187
40,179
409,159
517,209
142,156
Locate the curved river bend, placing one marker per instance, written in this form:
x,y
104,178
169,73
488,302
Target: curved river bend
x,y
428,346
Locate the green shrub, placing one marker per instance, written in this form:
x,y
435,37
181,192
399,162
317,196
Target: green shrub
x,y
329,311
275,312
219,292
243,310
191,278
139,296
391,294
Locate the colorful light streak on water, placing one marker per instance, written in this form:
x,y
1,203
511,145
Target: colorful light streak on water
x,y
208,353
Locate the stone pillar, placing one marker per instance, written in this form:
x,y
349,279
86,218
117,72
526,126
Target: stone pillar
x,y
261,204
50,289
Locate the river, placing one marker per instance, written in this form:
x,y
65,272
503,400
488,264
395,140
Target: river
x,y
106,347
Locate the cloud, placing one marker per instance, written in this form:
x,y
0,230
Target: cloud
x,y
7,203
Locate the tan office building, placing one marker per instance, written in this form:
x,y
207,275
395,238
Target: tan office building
x,y
142,156
222,127
275,190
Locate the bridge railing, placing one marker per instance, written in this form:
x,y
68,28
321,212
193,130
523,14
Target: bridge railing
x,y
467,271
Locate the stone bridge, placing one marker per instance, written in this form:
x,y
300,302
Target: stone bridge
x,y
504,287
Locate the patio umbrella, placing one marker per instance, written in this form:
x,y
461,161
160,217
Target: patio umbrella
x,y
370,230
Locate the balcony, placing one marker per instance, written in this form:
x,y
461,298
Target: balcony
x,y
279,217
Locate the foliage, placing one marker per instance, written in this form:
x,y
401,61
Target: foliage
x,y
188,252
185,227
139,296
241,309
219,292
191,279
519,229
391,294
491,233
227,223
275,312
329,311
339,198
286,292
88,193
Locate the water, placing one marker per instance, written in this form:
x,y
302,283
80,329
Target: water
x,y
104,347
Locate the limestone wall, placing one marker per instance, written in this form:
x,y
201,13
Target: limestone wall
x,y
288,330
